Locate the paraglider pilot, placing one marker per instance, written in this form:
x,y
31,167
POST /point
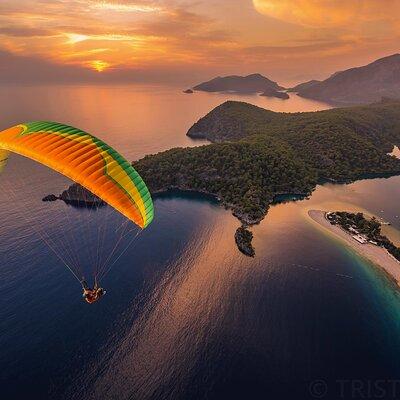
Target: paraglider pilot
x,y
91,295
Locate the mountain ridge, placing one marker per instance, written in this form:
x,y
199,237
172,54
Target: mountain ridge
x,y
359,85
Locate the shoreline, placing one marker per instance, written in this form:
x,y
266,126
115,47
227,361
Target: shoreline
x,y
377,255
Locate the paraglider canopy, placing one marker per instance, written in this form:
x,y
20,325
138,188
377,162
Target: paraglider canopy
x,y
86,160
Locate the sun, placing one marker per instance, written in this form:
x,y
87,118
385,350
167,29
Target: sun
x,y
99,65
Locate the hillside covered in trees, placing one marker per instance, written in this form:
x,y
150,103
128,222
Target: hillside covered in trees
x,y
257,154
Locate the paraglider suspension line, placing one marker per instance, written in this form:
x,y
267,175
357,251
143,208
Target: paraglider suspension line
x,y
119,256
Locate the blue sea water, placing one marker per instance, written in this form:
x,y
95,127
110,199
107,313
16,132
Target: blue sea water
x,y
186,316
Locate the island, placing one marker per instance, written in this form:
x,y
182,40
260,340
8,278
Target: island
x,y
256,156
77,196
188,91
275,93
254,83
364,236
362,85
243,239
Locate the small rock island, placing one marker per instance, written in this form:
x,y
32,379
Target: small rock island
x,y
77,196
243,239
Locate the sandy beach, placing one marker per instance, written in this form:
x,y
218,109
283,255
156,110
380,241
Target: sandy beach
x,y
376,254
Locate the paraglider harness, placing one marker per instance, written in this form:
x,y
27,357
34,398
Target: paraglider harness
x,y
92,295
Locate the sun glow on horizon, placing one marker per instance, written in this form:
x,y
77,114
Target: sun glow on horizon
x,y
99,65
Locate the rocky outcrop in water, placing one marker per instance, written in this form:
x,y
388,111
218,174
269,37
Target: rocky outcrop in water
x,y
50,197
243,239
78,196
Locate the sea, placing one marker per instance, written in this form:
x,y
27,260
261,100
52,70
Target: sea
x,y
186,316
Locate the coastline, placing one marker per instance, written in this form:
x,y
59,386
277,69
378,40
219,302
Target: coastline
x,y
377,255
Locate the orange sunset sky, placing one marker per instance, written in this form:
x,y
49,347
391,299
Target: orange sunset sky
x,y
190,40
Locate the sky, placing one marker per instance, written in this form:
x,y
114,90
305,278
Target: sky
x,y
187,41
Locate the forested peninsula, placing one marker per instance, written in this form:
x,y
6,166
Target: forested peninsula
x,y
256,154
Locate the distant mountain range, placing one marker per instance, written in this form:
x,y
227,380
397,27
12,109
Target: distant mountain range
x,y
361,85
254,83
367,84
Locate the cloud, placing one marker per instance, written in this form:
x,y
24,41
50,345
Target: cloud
x,y
27,69
330,13
291,52
32,69
21,31
127,6
165,39
135,34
